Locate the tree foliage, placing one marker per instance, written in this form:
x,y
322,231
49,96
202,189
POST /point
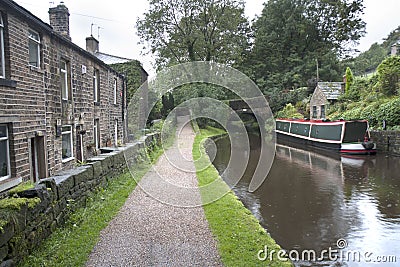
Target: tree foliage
x,y
133,73
367,62
289,111
389,76
178,31
290,35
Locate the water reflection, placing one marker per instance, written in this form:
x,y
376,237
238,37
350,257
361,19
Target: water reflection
x,y
310,200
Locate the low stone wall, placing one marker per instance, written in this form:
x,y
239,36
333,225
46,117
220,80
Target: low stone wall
x,y
387,141
29,216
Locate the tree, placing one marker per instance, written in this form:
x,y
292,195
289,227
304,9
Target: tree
x,y
349,80
291,34
179,31
133,72
389,76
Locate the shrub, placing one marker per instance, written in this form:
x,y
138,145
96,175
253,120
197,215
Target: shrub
x,y
289,111
389,76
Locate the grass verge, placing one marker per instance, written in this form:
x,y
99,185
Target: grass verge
x,y
239,235
72,244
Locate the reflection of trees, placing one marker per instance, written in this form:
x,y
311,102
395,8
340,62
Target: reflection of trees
x,y
385,185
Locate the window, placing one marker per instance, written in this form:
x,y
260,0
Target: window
x,y
116,133
115,91
64,76
96,133
322,111
96,86
67,143
314,112
2,67
34,49
4,153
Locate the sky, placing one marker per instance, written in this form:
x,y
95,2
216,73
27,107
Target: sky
x,y
114,22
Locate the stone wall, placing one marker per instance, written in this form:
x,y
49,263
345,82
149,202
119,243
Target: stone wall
x,y
387,141
32,106
37,212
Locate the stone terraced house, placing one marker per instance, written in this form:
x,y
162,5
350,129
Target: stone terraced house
x,y
59,103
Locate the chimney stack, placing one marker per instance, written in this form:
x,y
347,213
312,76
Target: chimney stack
x,y
92,44
59,20
394,49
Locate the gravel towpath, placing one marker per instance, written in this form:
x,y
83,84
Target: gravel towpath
x,y
148,232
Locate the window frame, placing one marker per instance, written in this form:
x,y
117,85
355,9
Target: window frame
x,y
96,86
63,132
322,112
66,71
115,91
314,112
7,139
116,132
96,133
2,53
37,42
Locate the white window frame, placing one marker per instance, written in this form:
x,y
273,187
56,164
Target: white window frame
x,y
96,89
115,90
2,60
64,76
96,133
116,133
6,138
31,36
70,132
322,112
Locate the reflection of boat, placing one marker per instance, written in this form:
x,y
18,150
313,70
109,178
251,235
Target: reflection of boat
x,y
327,162
347,137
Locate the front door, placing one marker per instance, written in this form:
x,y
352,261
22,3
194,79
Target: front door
x,y
38,158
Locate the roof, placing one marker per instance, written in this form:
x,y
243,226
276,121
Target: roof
x,y
331,90
32,19
110,59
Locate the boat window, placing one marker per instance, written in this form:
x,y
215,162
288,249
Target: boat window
x,y
300,129
355,131
327,132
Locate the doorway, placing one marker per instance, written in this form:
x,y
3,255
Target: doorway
x,y
38,158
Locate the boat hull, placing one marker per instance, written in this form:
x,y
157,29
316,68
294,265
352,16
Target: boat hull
x,y
357,149
343,148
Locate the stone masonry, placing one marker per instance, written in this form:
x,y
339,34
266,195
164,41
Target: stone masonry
x,y
31,103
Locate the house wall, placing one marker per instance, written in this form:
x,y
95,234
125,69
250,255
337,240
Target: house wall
x,y
318,99
30,98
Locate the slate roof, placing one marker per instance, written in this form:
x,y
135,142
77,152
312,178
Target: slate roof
x,y
331,90
110,59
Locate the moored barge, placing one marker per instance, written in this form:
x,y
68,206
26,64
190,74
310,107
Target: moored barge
x,y
347,137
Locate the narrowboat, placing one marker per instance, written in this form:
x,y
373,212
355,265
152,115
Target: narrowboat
x,y
346,137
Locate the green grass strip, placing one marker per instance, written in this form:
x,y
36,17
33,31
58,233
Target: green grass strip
x,y
239,235
72,244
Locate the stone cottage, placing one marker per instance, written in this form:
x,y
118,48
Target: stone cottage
x,y
59,104
324,94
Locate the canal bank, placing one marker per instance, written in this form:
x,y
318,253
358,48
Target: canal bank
x,y
241,239
387,141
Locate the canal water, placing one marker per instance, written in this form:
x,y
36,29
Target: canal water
x,y
313,201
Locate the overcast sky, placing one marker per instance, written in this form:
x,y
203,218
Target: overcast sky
x,y
117,19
